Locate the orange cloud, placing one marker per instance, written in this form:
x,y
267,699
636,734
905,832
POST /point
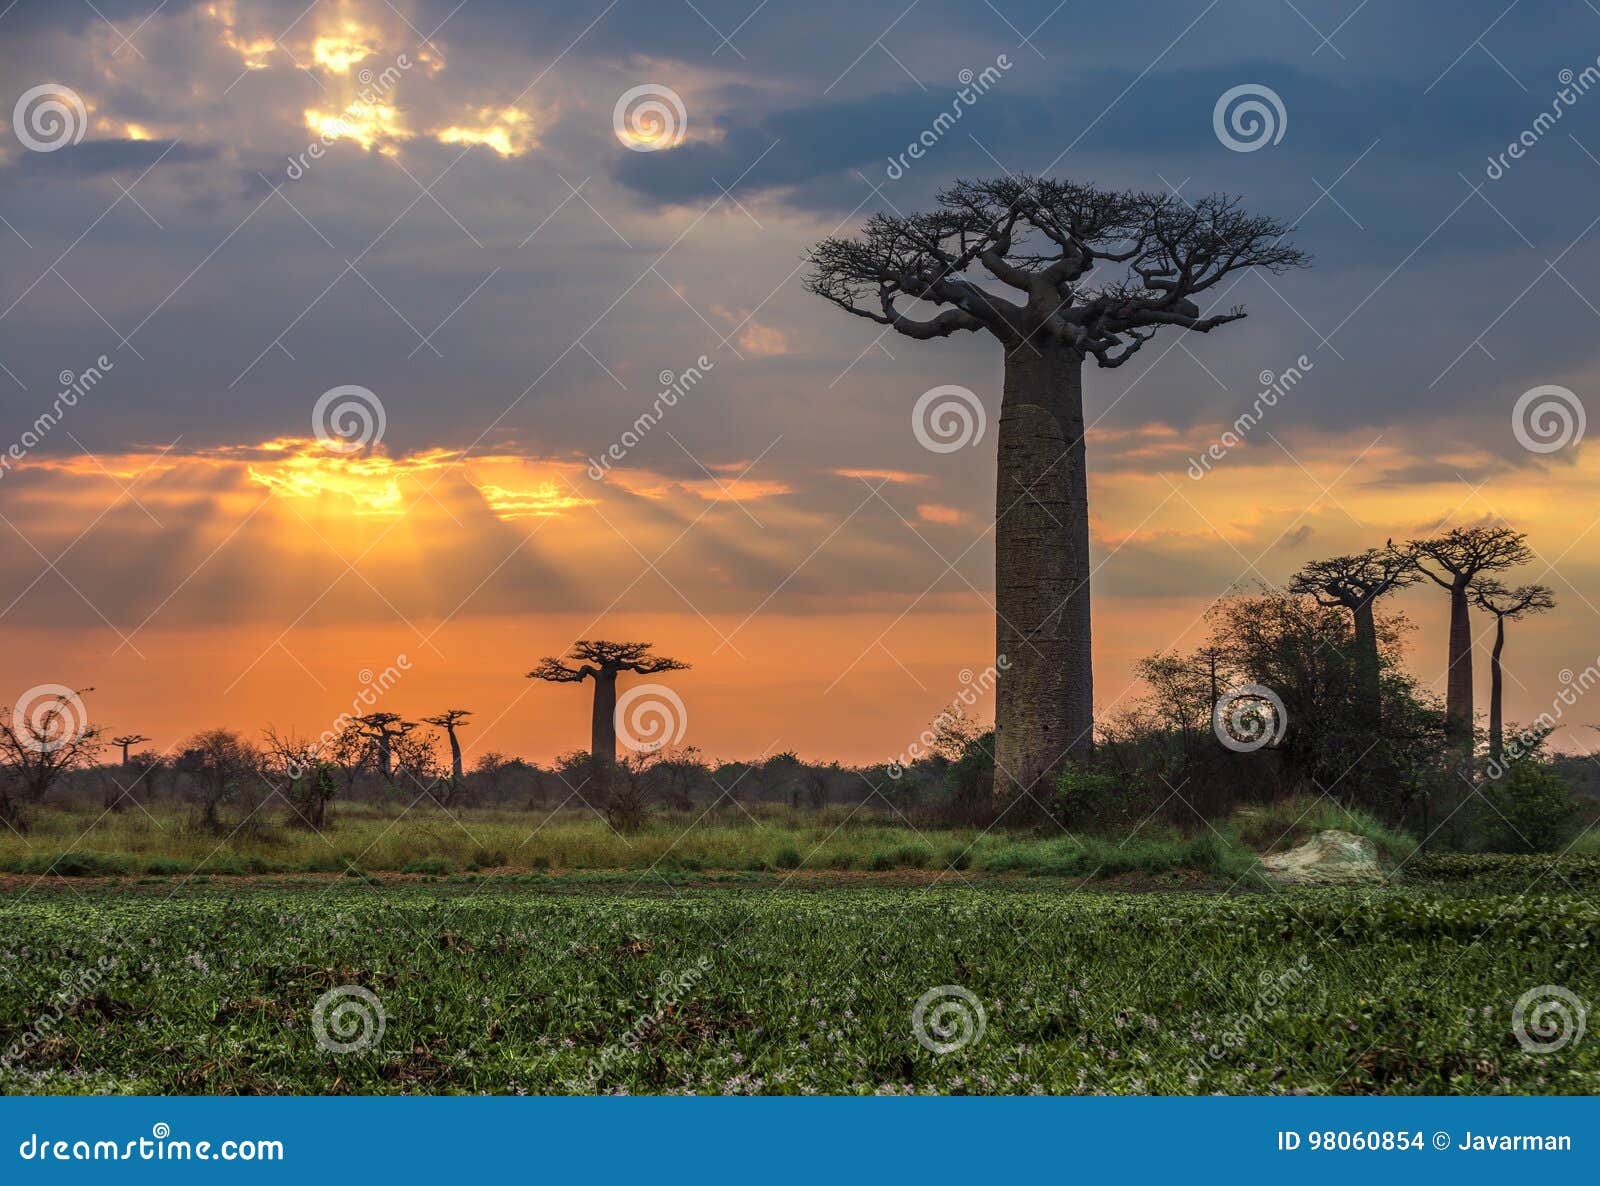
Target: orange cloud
x,y
932,512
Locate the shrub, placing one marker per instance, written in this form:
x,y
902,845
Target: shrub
x,y
911,856
1529,808
788,858
880,861
434,866
1092,800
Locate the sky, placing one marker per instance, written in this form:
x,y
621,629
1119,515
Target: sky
x,y
316,323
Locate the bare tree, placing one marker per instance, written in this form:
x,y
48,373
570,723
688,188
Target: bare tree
x,y
126,740
40,742
603,661
220,762
1462,555
302,772
1506,605
1042,239
1356,583
449,720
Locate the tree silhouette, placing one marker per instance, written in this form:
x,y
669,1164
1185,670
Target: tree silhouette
x,y
1042,239
1462,554
39,743
1513,605
126,740
602,661
383,729
1356,582
448,720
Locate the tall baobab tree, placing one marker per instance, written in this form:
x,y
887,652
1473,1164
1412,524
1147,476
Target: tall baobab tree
x,y
1356,582
1506,605
1042,240
603,661
126,740
383,729
1462,556
449,720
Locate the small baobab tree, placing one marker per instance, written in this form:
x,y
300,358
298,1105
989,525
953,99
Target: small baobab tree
x,y
1018,258
384,730
450,720
1356,583
1506,605
125,741
1455,561
603,661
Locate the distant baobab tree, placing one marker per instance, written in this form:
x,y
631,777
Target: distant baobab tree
x,y
1506,605
603,661
383,729
1356,583
1463,555
126,740
1042,239
449,720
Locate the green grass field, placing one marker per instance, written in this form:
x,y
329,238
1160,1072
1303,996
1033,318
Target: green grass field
x,y
492,988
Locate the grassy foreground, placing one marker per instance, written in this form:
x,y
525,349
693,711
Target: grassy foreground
x,y
733,991
166,840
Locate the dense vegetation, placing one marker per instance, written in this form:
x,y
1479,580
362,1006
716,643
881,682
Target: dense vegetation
x,y
727,991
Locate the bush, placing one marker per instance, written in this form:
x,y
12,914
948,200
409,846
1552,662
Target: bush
x,y
880,862
788,858
1529,808
434,866
1092,800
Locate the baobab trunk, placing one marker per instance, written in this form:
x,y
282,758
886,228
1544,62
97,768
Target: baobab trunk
x,y
1458,689
455,756
603,725
1368,666
1496,727
1044,710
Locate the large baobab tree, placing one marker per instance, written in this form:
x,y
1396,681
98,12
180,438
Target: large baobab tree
x,y
603,661
126,740
1019,258
1506,605
1356,583
1454,561
450,720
